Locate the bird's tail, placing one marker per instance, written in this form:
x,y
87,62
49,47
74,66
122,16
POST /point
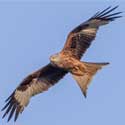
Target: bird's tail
x,y
84,80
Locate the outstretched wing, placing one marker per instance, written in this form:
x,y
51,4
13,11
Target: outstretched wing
x,y
80,38
33,84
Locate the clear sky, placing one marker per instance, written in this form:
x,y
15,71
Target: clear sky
x,y
31,31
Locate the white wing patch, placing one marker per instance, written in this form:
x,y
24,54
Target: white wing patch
x,y
90,30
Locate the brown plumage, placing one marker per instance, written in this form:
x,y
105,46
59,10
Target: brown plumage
x,y
33,84
68,60
80,38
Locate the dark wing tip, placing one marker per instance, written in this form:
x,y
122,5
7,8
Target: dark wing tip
x,y
17,114
12,112
11,107
104,15
107,15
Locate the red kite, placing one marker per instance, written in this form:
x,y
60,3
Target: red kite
x,y
66,61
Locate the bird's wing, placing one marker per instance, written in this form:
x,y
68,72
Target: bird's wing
x,y
33,84
80,38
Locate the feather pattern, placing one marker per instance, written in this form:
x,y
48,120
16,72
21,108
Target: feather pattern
x,y
78,41
80,38
33,84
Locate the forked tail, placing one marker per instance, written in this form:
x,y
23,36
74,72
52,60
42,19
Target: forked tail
x,y
91,69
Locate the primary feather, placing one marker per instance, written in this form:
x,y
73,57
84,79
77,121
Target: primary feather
x,y
80,38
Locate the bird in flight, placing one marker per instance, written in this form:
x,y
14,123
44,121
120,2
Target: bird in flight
x,y
66,61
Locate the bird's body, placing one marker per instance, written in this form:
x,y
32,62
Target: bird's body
x,y
68,60
68,63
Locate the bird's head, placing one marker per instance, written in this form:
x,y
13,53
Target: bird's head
x,y
55,59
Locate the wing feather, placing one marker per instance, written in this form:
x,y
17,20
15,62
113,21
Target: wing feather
x,y
80,38
33,84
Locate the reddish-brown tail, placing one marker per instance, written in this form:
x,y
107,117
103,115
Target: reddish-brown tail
x,y
91,69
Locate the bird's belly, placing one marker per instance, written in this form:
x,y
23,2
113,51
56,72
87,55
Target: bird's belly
x,y
72,65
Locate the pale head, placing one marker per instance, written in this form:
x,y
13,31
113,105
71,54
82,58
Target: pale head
x,y
55,58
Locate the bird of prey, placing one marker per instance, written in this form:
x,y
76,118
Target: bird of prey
x,y
66,61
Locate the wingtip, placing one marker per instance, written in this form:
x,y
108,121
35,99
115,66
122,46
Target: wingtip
x,y
3,116
2,109
15,120
8,120
105,14
116,6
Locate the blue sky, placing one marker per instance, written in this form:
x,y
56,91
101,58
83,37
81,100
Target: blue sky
x,y
31,31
